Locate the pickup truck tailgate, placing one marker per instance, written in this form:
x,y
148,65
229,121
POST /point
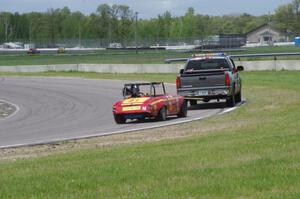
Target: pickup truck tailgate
x,y
203,79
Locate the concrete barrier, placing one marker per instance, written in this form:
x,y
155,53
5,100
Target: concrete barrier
x,y
147,68
276,65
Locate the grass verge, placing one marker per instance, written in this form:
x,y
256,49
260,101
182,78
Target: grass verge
x,y
253,152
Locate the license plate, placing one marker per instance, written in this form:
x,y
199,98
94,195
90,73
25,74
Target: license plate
x,y
202,93
131,108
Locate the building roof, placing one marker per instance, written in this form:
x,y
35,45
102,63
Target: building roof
x,y
264,25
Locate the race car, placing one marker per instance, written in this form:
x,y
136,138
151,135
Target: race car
x,y
148,101
33,51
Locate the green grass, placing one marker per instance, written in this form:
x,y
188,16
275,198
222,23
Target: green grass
x,y
253,152
121,57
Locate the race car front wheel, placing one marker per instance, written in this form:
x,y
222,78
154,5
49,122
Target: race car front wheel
x,y
119,119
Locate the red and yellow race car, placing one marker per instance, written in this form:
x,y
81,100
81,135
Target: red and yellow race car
x,y
148,100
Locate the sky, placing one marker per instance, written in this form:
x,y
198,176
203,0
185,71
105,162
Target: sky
x,y
151,8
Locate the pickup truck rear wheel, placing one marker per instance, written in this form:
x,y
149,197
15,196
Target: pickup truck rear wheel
x,y
238,97
183,110
193,102
162,114
119,119
230,101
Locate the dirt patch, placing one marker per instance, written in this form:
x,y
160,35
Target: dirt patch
x,y
6,109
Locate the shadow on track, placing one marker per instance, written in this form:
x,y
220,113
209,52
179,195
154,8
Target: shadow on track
x,y
211,105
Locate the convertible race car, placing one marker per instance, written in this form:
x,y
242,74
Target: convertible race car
x,y
148,100
33,51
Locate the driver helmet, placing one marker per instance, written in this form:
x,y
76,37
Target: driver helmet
x,y
135,90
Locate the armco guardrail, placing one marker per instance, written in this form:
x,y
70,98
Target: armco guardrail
x,y
275,55
265,55
168,61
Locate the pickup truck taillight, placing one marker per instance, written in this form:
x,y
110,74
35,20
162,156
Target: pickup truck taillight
x,y
178,82
227,79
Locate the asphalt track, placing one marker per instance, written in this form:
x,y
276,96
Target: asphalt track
x,y
53,109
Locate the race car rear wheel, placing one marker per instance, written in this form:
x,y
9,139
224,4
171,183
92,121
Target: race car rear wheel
x,y
119,119
162,115
183,109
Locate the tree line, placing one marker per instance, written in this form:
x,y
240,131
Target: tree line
x,y
117,23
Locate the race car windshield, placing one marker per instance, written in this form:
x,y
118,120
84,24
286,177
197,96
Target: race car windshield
x,y
147,90
159,90
207,64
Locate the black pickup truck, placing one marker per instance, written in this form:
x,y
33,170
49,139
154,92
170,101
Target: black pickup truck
x,y
207,77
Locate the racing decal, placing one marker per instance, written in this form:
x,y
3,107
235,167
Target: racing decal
x,y
172,98
157,101
131,108
177,103
135,101
170,106
154,107
173,103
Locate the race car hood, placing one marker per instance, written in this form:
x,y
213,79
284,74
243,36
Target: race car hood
x,y
139,105
139,101
134,101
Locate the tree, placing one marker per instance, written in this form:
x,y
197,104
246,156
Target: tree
x,y
6,26
189,21
104,13
125,29
116,23
287,17
176,28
